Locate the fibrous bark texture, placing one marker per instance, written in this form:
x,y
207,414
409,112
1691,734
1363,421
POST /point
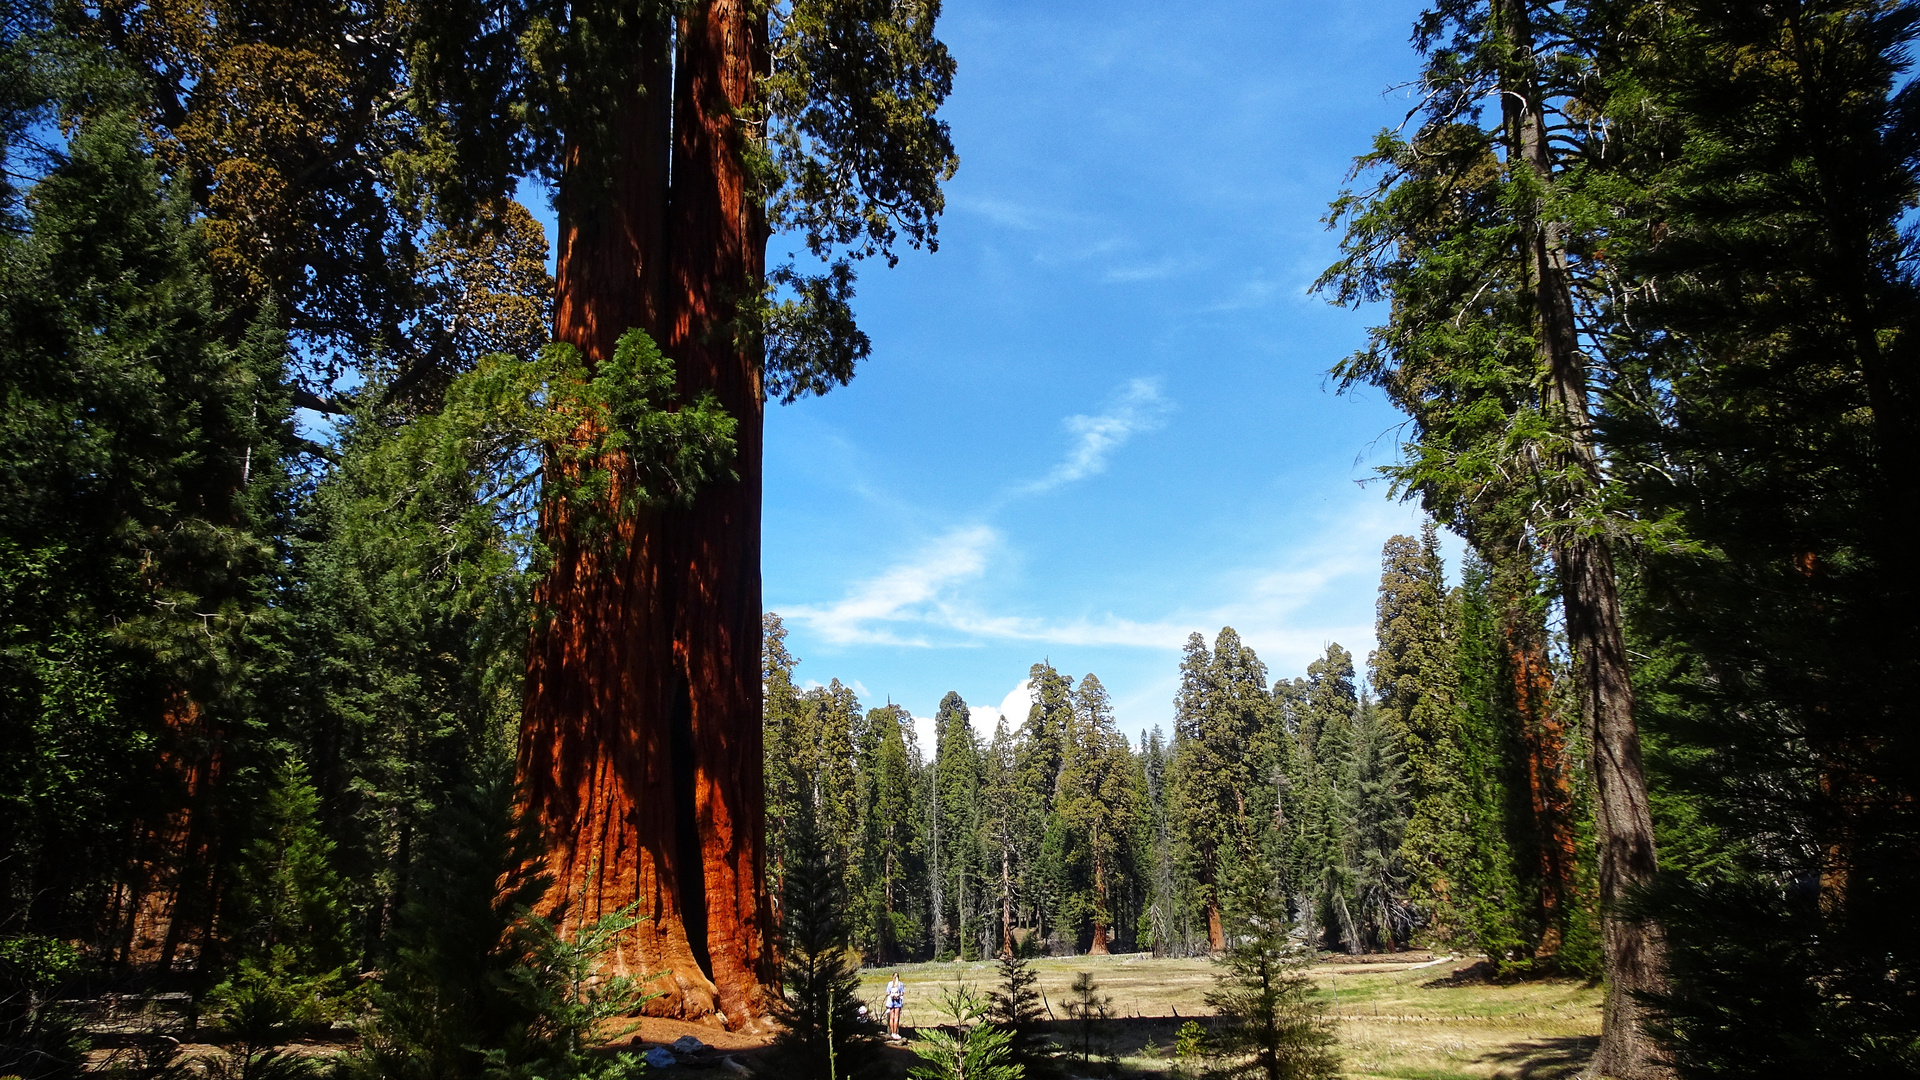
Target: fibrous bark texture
x,y
1543,740
641,745
163,911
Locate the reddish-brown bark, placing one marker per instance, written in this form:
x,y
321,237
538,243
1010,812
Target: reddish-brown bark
x,y
1543,735
1099,946
165,908
719,246
641,748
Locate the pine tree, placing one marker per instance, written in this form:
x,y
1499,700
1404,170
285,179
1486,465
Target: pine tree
x,y
287,893
1015,1008
889,841
824,1030
781,727
1039,758
1766,292
441,1005
1268,1024
954,832
1374,773
1201,790
1485,235
1095,810
1501,916
1000,832
142,485
1164,924
970,1049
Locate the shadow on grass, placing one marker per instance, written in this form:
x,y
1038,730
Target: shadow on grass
x,y
1550,1058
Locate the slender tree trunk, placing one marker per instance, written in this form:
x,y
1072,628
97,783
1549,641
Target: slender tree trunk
x,y
934,880
1634,951
1007,896
1544,746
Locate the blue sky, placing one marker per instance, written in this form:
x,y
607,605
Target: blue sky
x,y
1098,418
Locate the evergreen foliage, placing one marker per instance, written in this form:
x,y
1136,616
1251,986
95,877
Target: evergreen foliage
x,y
1416,676
1089,1011
564,1001
1267,1023
141,471
443,1003
1015,1008
970,1049
824,1032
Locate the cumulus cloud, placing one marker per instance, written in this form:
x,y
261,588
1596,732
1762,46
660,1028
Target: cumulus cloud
x,y
1139,408
903,593
1012,708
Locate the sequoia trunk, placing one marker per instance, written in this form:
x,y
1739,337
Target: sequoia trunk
x,y
719,251
1543,742
163,914
1099,946
640,747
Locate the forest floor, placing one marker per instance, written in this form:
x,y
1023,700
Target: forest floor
x,y
1405,1016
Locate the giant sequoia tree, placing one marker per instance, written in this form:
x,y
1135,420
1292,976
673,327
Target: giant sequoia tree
x,y
679,139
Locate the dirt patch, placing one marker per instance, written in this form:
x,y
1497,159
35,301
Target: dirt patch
x,y
1416,956
659,1031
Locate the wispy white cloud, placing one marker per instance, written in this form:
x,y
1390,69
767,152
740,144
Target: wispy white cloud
x,y
1274,604
902,593
1139,408
1153,271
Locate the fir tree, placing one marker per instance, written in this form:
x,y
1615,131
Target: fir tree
x,y
1095,811
970,1049
890,861
825,1033
1373,772
1268,1025
143,485
1016,1009
1164,923
1038,760
442,1003
1415,675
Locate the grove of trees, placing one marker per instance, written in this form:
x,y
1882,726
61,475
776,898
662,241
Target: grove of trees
x,y
379,606
1439,798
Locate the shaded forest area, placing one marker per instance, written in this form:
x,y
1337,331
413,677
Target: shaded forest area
x,y
341,723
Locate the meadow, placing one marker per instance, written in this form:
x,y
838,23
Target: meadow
x,y
1410,1016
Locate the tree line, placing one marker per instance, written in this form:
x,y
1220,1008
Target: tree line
x,y
1432,799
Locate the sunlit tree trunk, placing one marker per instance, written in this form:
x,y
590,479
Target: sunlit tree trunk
x,y
1100,916
641,747
165,910
719,249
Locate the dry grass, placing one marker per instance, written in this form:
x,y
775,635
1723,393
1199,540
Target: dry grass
x,y
1400,1020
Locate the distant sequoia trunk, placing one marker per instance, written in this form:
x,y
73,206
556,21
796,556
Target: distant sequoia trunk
x,y
640,751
